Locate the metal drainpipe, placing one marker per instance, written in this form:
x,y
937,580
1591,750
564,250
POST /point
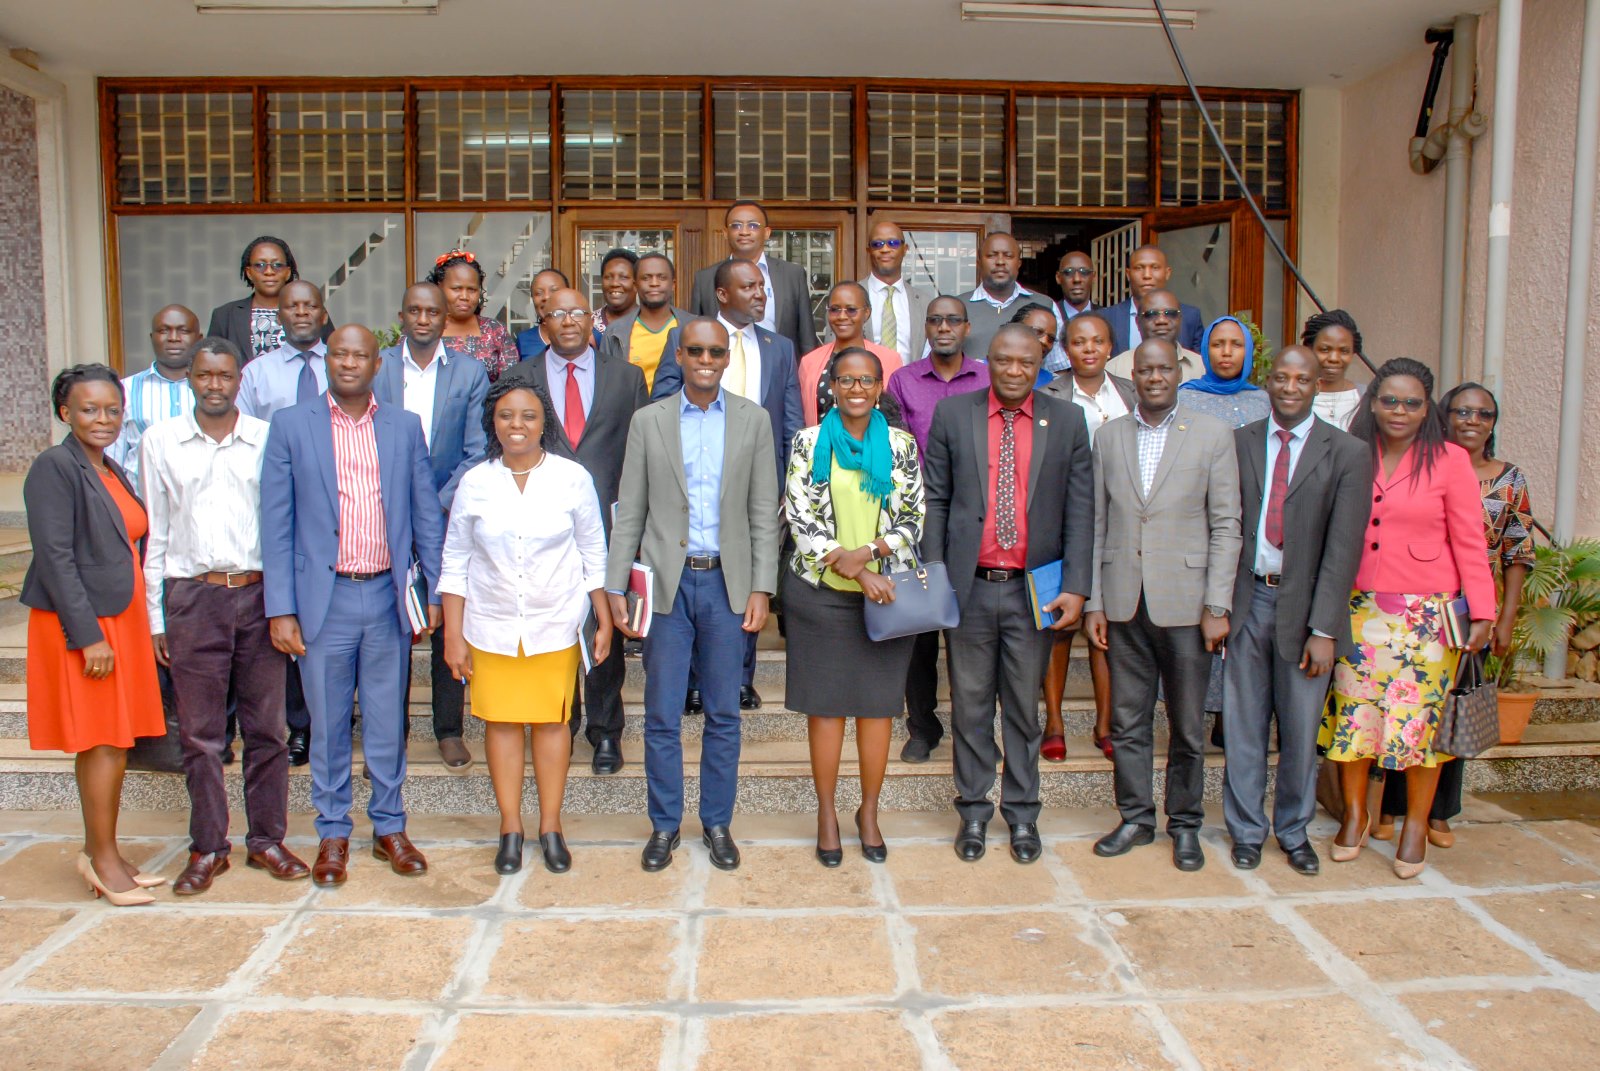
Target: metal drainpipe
x,y
1457,168
1508,53
1573,354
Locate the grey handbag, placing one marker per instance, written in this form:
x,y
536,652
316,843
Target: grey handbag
x,y
1470,723
924,601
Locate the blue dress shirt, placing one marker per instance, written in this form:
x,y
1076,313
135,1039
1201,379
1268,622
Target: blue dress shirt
x,y
272,381
703,432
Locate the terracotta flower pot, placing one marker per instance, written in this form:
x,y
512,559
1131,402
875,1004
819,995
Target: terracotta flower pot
x,y
1516,709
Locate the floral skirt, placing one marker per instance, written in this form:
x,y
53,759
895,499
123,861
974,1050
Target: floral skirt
x,y
1384,704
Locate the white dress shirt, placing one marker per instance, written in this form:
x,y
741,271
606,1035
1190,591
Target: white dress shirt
x,y
204,502
1099,407
556,371
752,359
525,560
877,290
421,384
1269,559
769,317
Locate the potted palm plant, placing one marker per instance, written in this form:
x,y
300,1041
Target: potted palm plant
x,y
1562,588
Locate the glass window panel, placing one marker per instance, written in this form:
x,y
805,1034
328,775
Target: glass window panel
x,y
945,262
1192,170
1200,266
595,242
816,252
511,247
630,144
776,145
942,147
184,148
1082,151
358,258
483,144
336,145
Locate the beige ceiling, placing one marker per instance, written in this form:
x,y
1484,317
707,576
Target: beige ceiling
x,y
1285,44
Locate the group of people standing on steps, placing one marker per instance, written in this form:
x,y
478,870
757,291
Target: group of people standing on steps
x,y
257,528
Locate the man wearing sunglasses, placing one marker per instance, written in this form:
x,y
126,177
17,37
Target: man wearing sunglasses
x,y
1075,275
1148,270
1161,315
787,293
898,308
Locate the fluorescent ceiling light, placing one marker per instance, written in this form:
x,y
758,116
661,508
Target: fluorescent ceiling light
x,y
598,139
317,7
1074,14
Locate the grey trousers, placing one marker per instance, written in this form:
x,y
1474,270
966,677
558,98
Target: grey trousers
x,y
997,653
1259,685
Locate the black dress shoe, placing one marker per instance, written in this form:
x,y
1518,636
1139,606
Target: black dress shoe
x,y
607,757
1304,860
1186,853
1217,740
724,852
692,703
972,840
299,748
508,860
916,751
1025,844
873,853
749,698
1246,856
1123,839
557,859
658,850
830,857
227,754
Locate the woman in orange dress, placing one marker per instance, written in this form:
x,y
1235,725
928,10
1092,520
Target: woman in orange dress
x,y
91,668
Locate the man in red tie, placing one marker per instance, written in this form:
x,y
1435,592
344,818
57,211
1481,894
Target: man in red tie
x,y
595,398
1304,491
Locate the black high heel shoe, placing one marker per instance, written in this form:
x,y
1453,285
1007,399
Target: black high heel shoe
x,y
557,859
874,853
508,860
830,857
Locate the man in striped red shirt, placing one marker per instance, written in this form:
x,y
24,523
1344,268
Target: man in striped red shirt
x,y
348,504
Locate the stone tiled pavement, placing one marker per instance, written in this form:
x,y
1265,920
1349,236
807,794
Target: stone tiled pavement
x,y
1491,960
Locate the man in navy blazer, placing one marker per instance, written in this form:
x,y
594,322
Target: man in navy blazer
x,y
446,393
761,368
1148,270
347,503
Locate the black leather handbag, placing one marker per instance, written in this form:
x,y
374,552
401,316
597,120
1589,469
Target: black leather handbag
x,y
924,601
1470,724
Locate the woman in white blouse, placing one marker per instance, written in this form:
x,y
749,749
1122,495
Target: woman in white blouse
x,y
524,566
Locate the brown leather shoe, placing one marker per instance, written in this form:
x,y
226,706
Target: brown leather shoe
x,y
454,754
333,858
280,862
402,856
198,875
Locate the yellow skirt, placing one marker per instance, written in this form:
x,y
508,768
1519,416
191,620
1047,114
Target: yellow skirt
x,y
531,689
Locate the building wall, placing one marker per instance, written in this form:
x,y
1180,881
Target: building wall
x,y
24,419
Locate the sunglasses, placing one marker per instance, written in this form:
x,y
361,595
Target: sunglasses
x,y
885,243
1159,314
1464,412
1410,405
268,265
717,352
1070,272
945,321
846,310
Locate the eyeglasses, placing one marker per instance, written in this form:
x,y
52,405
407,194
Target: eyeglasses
x,y
945,321
1044,336
743,225
1410,405
561,316
1160,314
847,382
1464,412
268,265
1070,272
885,243
717,352
846,310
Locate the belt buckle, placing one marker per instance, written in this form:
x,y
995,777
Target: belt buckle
x,y
997,576
1272,580
228,577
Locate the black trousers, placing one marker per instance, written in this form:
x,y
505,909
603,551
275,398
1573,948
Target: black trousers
x,y
597,695
1140,654
922,690
449,695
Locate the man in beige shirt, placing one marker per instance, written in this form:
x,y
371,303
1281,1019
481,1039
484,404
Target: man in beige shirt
x,y
1160,316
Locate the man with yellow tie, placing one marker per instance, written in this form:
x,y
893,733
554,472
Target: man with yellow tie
x,y
761,368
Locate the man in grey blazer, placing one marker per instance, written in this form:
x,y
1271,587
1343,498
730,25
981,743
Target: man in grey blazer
x,y
1166,547
699,506
899,309
788,291
655,277
1305,489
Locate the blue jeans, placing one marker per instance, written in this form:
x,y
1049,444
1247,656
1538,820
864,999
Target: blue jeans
x,y
361,645
701,632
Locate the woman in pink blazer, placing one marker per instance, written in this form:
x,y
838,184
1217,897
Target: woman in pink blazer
x,y
1424,547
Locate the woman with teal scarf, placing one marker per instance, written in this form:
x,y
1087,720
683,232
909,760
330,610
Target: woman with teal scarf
x,y
1225,391
854,500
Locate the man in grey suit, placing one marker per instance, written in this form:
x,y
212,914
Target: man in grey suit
x,y
446,392
1305,488
1166,546
899,309
699,506
654,316
788,292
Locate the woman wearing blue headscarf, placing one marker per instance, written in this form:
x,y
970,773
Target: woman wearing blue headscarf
x,y
1225,391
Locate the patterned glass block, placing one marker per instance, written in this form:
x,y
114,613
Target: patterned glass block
x,y
937,147
511,247
781,145
945,262
1192,171
595,242
336,145
815,251
184,148
630,144
1082,151
483,144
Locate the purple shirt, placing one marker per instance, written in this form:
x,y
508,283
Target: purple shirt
x,y
918,388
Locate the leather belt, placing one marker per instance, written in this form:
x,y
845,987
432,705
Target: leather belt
x,y
240,578
1272,580
998,576
701,563
361,577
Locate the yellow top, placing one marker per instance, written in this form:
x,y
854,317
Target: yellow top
x,y
645,347
855,518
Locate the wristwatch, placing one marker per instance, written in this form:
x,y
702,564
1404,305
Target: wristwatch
x,y
1216,611
873,550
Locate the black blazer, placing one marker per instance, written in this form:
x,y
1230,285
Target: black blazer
x,y
1190,329
789,288
1060,489
1061,387
82,568
232,322
1324,523
618,393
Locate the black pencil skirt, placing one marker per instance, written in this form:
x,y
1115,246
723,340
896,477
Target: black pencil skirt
x,y
834,670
